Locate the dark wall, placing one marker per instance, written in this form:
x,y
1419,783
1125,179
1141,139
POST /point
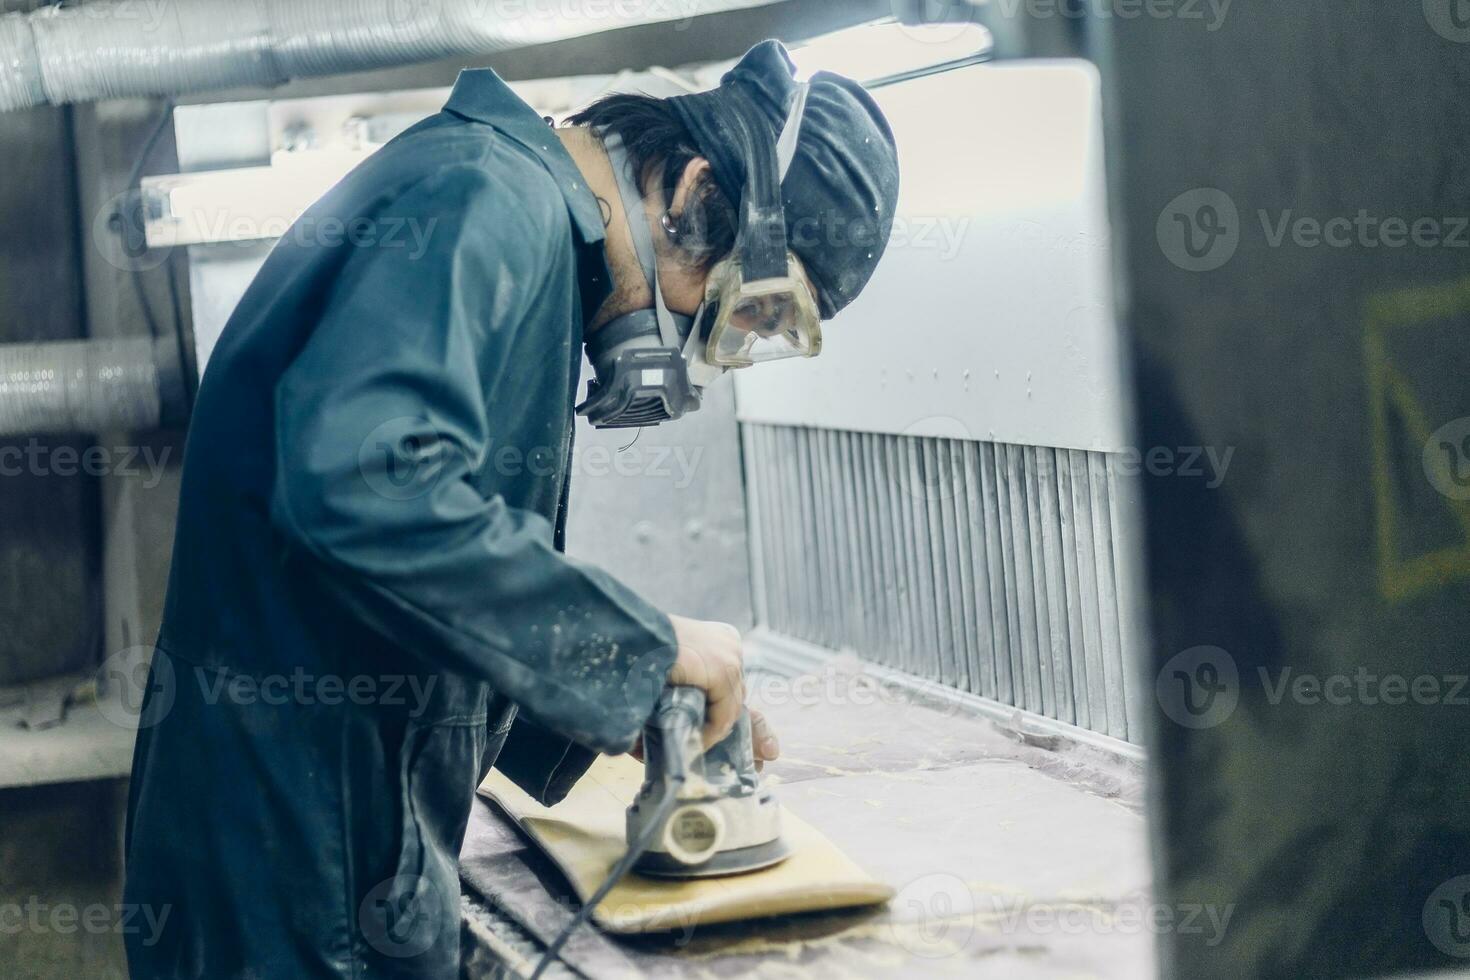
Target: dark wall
x,y
1337,548
48,527
58,844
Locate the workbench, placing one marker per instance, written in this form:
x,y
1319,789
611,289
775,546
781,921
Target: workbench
x,y
1013,855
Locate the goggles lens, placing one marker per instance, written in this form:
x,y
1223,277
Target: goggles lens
x,y
761,321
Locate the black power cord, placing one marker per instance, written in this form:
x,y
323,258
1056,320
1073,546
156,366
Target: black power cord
x,y
636,850
129,221
679,716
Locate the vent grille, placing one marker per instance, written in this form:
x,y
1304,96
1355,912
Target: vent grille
x,y
988,567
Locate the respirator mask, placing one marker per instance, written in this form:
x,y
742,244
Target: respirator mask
x,y
652,365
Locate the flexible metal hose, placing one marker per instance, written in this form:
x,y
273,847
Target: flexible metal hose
x,y
119,48
80,386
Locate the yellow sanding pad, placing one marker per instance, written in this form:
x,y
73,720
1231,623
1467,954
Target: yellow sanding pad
x,y
585,836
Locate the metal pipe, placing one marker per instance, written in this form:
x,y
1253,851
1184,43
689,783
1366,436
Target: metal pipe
x,y
81,386
121,48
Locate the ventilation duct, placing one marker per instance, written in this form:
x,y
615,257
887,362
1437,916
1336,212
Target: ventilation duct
x,y
121,48
86,386
991,568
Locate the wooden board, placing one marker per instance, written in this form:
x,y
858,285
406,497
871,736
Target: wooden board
x,y
585,836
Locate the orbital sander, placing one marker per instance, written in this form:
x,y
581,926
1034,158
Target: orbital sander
x,y
699,814
703,813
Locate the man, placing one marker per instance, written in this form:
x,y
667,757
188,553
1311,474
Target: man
x,y
368,605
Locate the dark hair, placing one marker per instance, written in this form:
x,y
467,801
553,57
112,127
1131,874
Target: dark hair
x,y
659,147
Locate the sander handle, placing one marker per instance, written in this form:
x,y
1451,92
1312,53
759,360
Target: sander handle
x,y
678,721
675,727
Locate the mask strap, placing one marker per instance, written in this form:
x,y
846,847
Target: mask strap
x,y
791,132
642,235
763,233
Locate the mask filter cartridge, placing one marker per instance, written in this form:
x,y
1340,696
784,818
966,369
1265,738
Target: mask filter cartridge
x,y
640,381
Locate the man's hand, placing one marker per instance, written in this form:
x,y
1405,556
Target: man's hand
x,y
711,657
763,736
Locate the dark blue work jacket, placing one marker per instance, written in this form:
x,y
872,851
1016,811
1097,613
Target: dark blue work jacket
x,y
368,602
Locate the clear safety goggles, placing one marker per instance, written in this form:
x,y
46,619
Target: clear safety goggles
x,y
765,320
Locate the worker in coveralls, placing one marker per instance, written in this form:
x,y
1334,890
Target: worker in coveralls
x,y
369,605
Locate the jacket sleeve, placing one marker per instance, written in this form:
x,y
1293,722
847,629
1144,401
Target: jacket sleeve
x,y
542,763
381,421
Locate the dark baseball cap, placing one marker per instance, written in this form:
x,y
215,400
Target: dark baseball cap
x,y
841,192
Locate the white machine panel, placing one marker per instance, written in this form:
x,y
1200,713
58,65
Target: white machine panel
x,y
991,315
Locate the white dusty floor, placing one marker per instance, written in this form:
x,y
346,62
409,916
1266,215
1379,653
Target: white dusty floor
x,y
1009,860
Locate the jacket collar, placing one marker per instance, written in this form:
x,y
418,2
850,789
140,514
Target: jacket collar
x,y
481,95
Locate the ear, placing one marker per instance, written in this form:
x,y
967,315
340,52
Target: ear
x,y
694,172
